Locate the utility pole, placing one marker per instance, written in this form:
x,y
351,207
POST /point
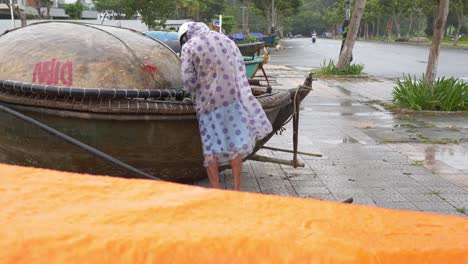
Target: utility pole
x,y
348,11
12,15
272,16
244,30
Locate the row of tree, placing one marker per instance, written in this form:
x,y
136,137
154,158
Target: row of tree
x,y
381,17
205,10
153,10
401,17
442,10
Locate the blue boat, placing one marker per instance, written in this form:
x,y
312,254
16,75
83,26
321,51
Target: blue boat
x,y
270,40
171,39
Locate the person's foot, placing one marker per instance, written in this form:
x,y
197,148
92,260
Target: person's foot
x,y
349,200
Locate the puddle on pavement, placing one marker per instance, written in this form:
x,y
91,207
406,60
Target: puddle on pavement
x,y
443,158
347,104
345,140
344,91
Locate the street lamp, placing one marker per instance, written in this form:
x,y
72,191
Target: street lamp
x,y
348,12
243,20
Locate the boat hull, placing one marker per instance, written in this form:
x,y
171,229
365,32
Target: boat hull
x,y
165,145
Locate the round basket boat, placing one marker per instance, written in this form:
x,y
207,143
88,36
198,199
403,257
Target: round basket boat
x,y
112,88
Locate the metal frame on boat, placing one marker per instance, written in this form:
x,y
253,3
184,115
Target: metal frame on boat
x,y
159,137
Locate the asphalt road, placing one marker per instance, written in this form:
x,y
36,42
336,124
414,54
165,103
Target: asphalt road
x,y
390,60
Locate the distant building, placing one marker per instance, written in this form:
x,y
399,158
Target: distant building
x,y
175,24
56,9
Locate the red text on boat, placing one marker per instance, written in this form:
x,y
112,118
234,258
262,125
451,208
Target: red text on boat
x,y
53,73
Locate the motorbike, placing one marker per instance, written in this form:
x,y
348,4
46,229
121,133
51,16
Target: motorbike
x,y
314,38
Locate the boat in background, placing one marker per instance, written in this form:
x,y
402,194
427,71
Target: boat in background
x,y
251,49
269,40
252,65
171,39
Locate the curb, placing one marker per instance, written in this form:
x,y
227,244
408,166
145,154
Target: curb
x,y
333,77
398,110
421,44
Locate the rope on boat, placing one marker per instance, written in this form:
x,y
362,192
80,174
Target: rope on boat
x,y
127,47
177,93
295,102
75,142
95,26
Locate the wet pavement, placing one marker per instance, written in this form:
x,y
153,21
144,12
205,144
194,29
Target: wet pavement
x,y
399,161
391,60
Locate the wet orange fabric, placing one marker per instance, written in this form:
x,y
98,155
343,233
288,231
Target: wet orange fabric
x,y
56,217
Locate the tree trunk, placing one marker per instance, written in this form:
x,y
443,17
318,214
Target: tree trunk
x,y
398,26
373,28
247,4
410,27
378,28
359,34
21,16
18,13
367,31
347,51
37,4
48,9
439,27
268,20
461,21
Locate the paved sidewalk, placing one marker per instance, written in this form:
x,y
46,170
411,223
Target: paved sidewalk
x,y
377,157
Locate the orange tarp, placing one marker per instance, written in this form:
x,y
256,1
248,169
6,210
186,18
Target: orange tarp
x,y
56,217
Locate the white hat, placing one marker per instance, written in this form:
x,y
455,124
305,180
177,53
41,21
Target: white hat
x,y
183,33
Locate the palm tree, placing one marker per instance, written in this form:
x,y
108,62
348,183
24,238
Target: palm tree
x,y
345,56
439,27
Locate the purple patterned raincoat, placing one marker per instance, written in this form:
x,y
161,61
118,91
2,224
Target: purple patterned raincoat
x,y
230,118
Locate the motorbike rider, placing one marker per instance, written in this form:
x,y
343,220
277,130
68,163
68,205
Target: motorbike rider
x,y
314,36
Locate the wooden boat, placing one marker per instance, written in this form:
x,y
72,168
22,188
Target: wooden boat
x,y
270,40
252,65
121,100
250,49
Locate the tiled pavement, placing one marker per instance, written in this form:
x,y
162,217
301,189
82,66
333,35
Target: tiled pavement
x,y
370,154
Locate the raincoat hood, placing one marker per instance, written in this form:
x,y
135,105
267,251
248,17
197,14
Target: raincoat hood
x,y
196,28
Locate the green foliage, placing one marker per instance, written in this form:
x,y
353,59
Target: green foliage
x,y
417,163
151,10
74,10
441,95
334,14
284,9
121,9
305,22
249,39
330,69
199,10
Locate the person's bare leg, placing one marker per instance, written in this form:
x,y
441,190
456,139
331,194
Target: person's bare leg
x,y
236,165
213,174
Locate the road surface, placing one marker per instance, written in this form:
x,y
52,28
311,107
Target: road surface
x,y
390,60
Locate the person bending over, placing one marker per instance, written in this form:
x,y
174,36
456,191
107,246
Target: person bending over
x,y
230,118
